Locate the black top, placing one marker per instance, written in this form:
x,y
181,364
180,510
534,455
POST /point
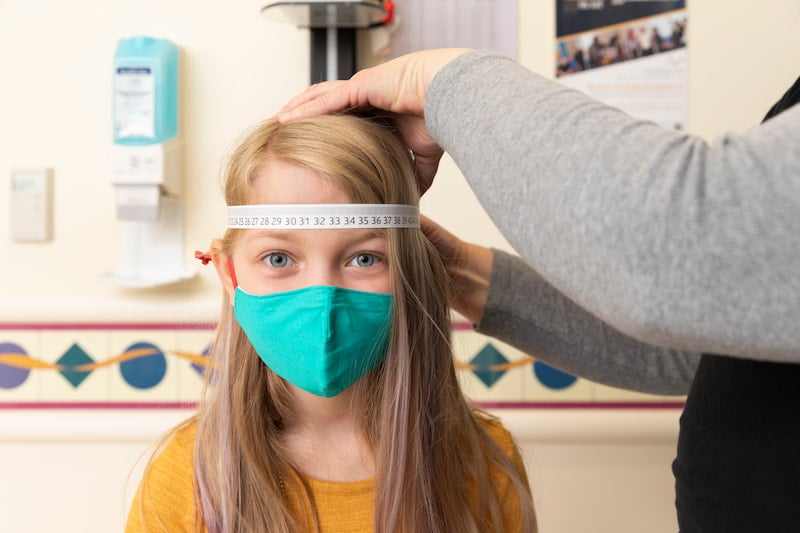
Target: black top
x,y
791,97
738,462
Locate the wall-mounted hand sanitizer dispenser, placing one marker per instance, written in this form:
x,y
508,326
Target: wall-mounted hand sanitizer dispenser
x,y
147,161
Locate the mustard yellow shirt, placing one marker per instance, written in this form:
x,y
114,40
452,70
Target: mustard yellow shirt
x,y
341,507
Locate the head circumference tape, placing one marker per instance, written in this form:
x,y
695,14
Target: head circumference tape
x,y
322,216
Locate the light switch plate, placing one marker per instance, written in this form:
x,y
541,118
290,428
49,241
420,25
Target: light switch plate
x,y
31,205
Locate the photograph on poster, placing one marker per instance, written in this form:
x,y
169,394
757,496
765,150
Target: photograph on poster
x,y
622,42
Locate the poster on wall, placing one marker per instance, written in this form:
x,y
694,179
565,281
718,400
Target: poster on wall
x,y
631,54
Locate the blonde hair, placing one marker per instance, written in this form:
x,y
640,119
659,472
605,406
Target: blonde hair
x,y
430,451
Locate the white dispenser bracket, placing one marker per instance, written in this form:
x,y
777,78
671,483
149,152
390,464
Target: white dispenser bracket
x,y
141,175
148,190
153,250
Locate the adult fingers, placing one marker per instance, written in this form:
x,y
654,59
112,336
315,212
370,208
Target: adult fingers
x,y
444,241
319,99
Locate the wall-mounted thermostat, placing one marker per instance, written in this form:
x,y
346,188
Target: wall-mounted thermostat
x,y
31,205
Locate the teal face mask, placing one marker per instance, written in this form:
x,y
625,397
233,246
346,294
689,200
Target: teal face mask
x,y
321,339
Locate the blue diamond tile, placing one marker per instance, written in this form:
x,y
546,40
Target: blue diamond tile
x,y
73,357
486,358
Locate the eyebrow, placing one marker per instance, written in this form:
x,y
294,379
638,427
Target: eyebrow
x,y
273,234
296,235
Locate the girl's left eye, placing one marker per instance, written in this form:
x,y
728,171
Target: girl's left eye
x,y
278,260
364,260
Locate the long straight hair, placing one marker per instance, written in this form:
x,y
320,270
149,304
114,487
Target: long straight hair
x,y
432,457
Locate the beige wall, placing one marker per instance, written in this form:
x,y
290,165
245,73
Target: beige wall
x,y
238,67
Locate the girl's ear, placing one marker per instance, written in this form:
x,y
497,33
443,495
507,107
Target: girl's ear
x,y
223,265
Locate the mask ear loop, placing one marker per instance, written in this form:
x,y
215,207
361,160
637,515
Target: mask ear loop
x,y
232,272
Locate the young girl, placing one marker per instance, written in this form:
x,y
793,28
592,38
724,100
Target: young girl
x,y
331,400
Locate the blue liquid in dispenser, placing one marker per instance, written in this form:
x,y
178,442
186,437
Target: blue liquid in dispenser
x,y
145,106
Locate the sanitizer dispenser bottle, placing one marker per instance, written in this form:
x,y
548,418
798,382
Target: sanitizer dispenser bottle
x,y
145,91
147,162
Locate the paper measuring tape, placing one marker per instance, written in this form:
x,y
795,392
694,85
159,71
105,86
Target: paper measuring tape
x,y
322,216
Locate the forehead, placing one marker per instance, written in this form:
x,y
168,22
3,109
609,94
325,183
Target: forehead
x,y
281,182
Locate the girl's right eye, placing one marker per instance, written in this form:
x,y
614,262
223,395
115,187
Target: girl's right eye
x,y
278,260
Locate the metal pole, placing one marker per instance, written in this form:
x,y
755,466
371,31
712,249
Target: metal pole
x,y
333,53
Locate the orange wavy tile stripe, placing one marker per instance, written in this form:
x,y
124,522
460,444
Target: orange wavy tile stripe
x,y
497,367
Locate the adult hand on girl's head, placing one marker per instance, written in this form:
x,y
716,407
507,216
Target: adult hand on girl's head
x,y
397,86
468,265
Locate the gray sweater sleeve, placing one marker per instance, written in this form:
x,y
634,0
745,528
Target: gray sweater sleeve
x,y
668,239
528,313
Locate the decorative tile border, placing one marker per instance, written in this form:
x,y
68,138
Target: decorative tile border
x,y
160,366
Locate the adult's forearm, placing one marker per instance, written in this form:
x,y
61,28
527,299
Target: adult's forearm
x,y
528,313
